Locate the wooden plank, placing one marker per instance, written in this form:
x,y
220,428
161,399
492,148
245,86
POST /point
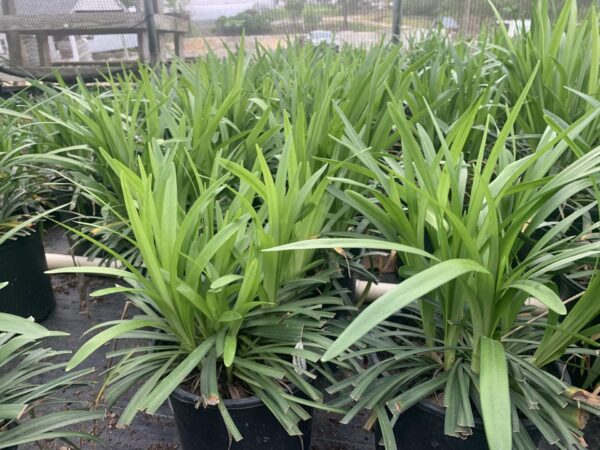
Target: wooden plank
x,y
179,45
162,46
13,39
90,23
159,6
173,24
143,50
70,73
101,64
43,49
11,80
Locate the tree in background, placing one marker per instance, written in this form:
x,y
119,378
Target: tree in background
x,y
356,6
178,6
295,8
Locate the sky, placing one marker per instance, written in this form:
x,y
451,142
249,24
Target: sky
x,y
212,9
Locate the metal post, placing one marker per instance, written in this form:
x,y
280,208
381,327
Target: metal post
x,y
396,21
153,45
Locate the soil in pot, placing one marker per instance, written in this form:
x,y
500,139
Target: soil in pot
x,y
204,429
22,265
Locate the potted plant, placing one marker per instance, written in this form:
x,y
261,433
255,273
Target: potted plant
x,y
234,334
31,410
566,38
475,362
22,258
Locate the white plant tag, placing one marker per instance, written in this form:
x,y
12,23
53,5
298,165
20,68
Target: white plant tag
x,y
299,363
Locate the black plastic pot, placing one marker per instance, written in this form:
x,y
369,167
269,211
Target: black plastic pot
x,y
422,428
578,370
569,288
204,429
10,426
22,265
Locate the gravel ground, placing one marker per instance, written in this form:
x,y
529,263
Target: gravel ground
x,y
76,312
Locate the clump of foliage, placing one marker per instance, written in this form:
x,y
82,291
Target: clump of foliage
x,y
248,22
24,401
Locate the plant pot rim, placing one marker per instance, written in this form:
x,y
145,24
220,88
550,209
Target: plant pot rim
x,y
184,396
16,240
429,406
567,280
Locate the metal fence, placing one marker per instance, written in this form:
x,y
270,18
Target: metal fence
x,y
85,32
356,22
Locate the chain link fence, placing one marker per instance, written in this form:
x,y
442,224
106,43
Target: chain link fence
x,y
215,25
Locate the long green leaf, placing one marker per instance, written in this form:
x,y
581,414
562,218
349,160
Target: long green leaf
x,y
402,295
495,395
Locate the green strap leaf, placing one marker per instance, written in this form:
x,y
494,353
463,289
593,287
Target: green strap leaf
x,y
26,327
543,293
402,295
26,223
105,336
351,243
102,271
11,410
495,395
225,280
229,349
176,377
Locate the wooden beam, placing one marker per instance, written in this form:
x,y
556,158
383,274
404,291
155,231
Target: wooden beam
x,y
109,63
173,24
91,23
143,50
43,49
13,39
159,6
178,45
70,73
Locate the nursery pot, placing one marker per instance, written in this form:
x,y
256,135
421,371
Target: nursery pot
x,y
22,265
422,427
569,288
10,426
203,428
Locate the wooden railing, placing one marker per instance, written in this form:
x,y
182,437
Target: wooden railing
x,y
149,23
